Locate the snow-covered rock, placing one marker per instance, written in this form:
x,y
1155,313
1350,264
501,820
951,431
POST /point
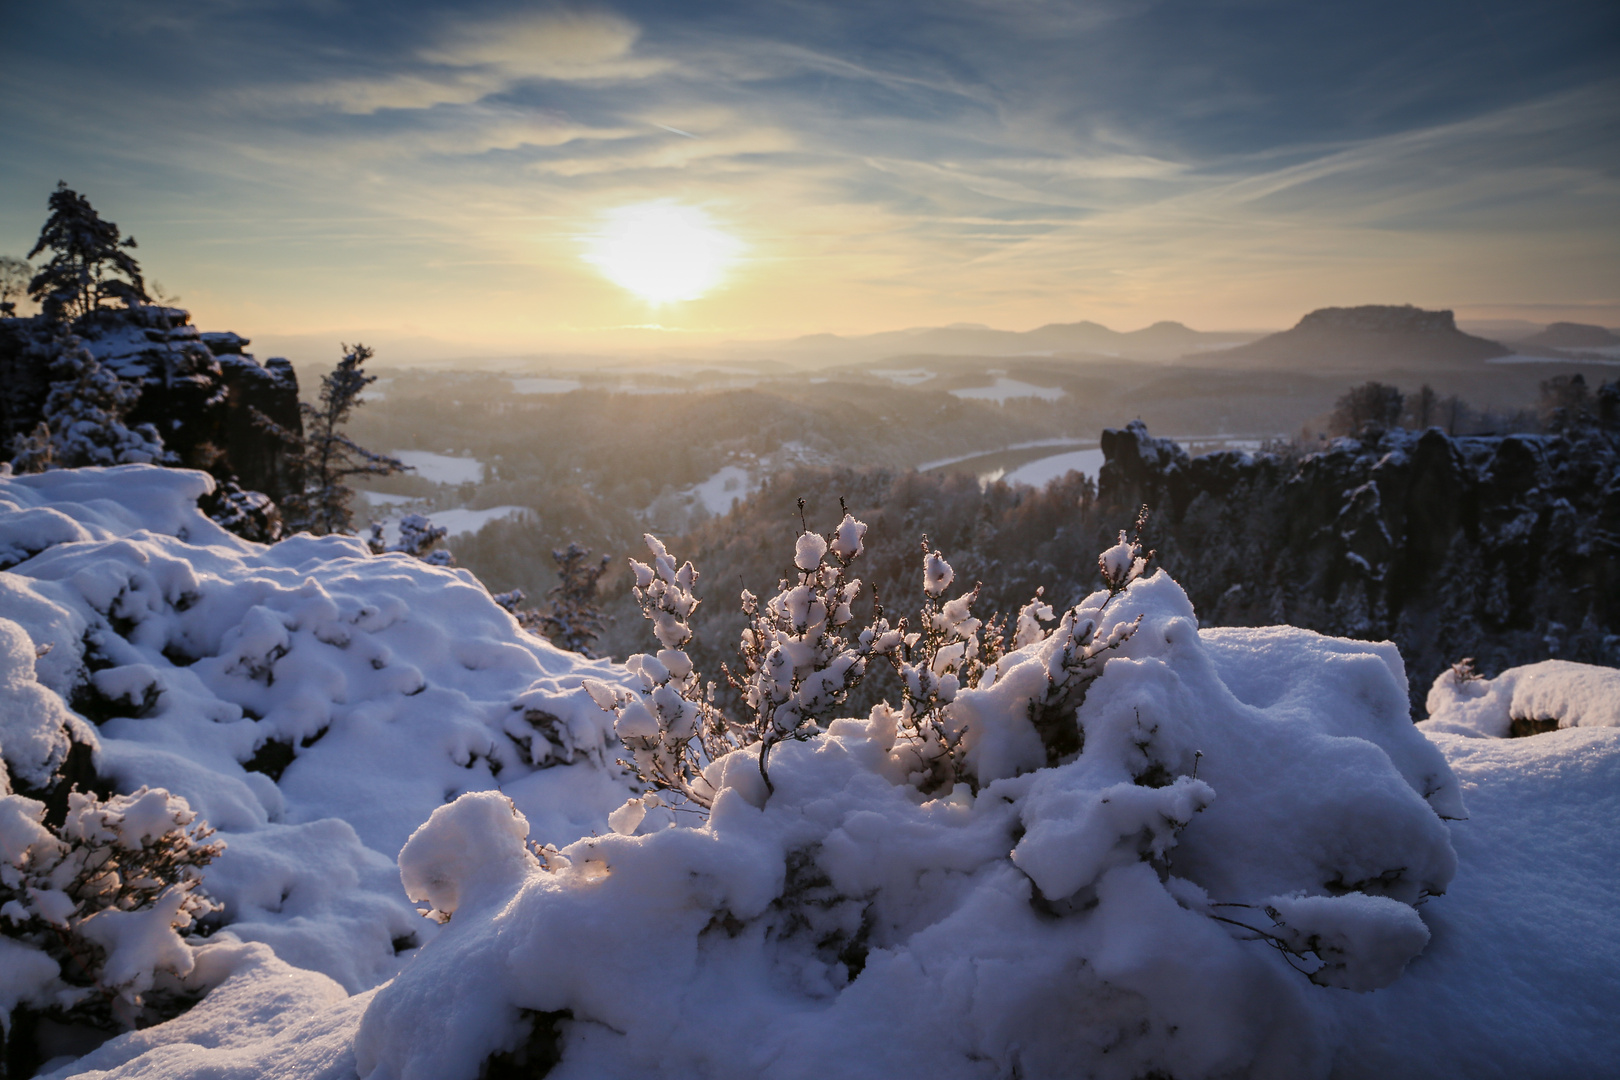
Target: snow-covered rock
x,y
313,702
1524,700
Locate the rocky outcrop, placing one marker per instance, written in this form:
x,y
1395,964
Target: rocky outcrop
x,y
1569,335
206,395
1371,337
1506,549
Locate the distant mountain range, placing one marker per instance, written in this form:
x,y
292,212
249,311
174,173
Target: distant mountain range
x,y
1161,341
1374,337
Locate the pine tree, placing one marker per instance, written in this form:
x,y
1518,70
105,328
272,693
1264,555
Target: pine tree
x,y
14,276
575,619
88,258
327,457
84,419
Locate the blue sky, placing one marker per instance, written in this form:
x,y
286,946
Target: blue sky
x,y
435,171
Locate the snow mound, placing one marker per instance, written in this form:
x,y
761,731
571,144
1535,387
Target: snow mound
x,y
313,702
1525,700
1111,915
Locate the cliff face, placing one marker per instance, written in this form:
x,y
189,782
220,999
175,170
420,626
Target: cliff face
x,y
202,391
1506,549
1372,336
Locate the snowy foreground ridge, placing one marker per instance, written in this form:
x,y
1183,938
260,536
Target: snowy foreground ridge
x,y
1444,895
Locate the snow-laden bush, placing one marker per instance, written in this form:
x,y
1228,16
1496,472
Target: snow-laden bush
x,y
1237,808
418,537
1528,700
106,898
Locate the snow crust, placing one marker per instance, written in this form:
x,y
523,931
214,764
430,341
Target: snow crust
x,y
442,468
378,686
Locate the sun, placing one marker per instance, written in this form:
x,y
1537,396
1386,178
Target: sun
x,y
662,251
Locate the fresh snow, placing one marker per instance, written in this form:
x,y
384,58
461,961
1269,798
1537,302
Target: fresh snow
x,y
442,468
1005,389
719,491
391,685
1062,919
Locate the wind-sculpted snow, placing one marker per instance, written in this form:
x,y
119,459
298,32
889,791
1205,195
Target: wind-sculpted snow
x,y
1110,916
311,701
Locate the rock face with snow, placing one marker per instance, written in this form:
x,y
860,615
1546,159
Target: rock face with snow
x,y
1502,549
201,391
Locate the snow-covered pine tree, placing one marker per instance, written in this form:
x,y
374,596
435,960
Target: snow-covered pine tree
x,y
575,619
327,457
418,538
84,419
89,265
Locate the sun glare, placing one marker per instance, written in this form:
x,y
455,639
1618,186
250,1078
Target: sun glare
x,y
662,251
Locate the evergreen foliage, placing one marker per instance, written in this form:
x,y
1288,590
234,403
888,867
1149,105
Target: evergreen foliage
x,y
84,419
15,274
90,263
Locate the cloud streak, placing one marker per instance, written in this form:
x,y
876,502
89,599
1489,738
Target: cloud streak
x,y
886,165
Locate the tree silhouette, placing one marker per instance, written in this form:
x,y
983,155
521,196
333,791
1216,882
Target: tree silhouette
x,y
89,265
328,457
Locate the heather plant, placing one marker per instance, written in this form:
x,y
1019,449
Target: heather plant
x,y
801,655
107,897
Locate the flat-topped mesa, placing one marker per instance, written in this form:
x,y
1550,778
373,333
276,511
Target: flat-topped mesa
x,y
1369,339
1379,319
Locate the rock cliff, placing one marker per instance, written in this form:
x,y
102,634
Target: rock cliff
x,y
203,392
1506,549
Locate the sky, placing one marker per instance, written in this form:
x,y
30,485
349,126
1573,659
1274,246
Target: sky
x,y
446,178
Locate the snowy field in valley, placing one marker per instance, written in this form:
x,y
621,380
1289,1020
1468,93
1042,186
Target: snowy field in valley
x,y
1042,471
442,468
1128,847
719,491
457,520
1005,389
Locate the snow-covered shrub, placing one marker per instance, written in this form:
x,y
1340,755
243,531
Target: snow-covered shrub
x,y
1528,700
312,702
418,538
1239,807
573,619
252,515
106,897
